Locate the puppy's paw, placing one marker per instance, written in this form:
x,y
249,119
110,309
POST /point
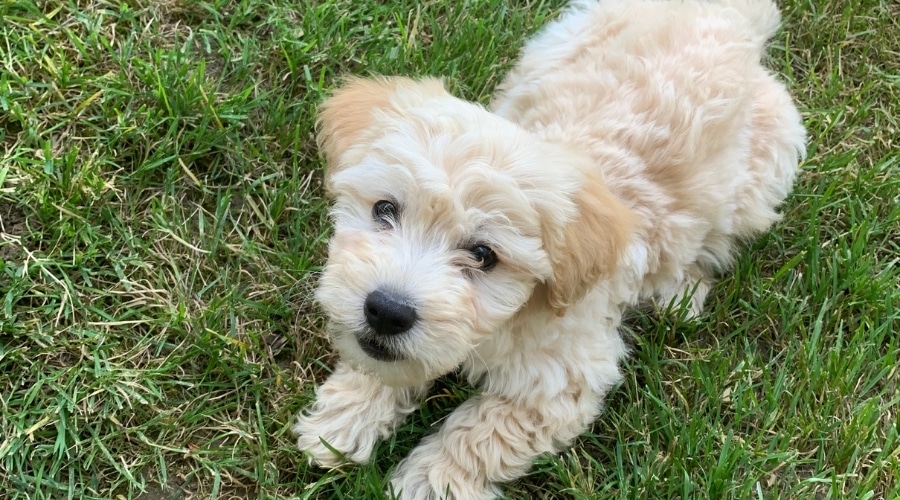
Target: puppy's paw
x,y
352,412
431,473
687,296
333,437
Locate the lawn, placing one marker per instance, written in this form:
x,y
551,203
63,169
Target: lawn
x,y
162,221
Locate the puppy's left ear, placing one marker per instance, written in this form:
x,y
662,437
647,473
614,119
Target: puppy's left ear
x,y
587,248
352,117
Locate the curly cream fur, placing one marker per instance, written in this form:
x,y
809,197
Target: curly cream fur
x,y
627,153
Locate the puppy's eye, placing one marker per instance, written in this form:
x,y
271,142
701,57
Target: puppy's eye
x,y
484,256
384,212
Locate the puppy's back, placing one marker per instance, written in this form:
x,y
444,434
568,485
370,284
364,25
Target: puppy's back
x,y
672,101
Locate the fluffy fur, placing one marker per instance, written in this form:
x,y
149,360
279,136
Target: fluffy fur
x,y
632,146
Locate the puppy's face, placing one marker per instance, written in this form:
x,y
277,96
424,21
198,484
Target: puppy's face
x,y
446,219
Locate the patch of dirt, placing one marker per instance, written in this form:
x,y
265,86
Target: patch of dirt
x,y
12,226
157,491
175,489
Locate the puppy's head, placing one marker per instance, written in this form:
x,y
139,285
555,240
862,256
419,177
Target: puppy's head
x,y
447,218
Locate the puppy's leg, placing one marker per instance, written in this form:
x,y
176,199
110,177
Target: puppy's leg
x,y
689,291
494,438
351,412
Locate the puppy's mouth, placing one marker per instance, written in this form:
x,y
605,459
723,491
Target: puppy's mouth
x,y
377,349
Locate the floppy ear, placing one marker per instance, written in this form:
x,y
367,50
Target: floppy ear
x,y
349,117
587,248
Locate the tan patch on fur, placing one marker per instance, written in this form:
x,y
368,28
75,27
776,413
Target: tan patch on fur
x,y
346,115
590,246
347,118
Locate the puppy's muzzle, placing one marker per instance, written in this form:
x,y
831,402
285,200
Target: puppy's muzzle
x,y
388,314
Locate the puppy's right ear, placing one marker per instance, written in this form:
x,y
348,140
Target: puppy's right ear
x,y
348,119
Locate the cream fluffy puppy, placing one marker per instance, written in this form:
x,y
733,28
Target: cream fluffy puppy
x,y
632,146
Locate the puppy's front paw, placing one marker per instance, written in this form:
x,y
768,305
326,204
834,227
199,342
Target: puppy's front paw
x,y
431,473
351,413
342,430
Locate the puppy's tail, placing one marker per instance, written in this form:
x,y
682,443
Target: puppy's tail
x,y
762,15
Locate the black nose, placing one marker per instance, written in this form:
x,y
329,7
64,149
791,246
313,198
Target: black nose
x,y
388,313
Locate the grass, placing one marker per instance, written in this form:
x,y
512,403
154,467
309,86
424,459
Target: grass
x,y
162,220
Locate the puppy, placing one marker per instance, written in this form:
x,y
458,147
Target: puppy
x,y
625,155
